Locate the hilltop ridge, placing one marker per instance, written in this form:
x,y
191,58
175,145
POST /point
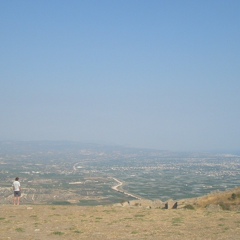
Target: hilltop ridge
x,y
222,200
207,219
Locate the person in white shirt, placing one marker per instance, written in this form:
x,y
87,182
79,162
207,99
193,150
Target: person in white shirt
x,y
17,191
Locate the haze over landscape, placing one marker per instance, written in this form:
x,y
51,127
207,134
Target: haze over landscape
x,y
121,119
152,74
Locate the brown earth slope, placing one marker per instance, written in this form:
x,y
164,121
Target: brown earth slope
x,y
72,222
39,222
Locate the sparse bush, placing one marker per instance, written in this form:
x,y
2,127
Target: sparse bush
x,y
234,196
137,204
224,206
189,206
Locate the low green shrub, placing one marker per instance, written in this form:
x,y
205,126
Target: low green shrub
x,y
58,233
224,206
189,206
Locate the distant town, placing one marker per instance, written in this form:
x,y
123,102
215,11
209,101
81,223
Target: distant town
x,y
68,173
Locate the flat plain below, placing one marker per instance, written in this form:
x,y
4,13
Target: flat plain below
x,y
41,222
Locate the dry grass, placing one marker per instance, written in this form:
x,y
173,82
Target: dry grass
x,y
193,221
229,200
72,222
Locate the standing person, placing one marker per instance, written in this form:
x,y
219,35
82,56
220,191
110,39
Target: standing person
x,y
17,191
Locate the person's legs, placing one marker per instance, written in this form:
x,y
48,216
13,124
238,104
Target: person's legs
x,y
16,199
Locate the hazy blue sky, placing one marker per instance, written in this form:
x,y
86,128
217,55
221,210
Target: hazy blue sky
x,y
155,74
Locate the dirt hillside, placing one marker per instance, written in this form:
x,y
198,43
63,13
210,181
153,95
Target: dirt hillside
x,y
205,219
72,222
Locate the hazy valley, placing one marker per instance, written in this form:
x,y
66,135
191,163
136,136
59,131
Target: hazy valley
x,y
86,174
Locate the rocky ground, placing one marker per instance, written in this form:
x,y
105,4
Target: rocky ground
x,y
215,216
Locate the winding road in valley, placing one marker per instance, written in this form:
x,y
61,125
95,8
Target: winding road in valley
x,y
117,187
119,184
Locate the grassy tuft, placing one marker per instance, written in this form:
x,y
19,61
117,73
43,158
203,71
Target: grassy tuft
x,y
177,221
139,215
77,231
58,233
19,229
61,203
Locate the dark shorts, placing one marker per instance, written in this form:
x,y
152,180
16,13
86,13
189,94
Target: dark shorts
x,y
17,194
